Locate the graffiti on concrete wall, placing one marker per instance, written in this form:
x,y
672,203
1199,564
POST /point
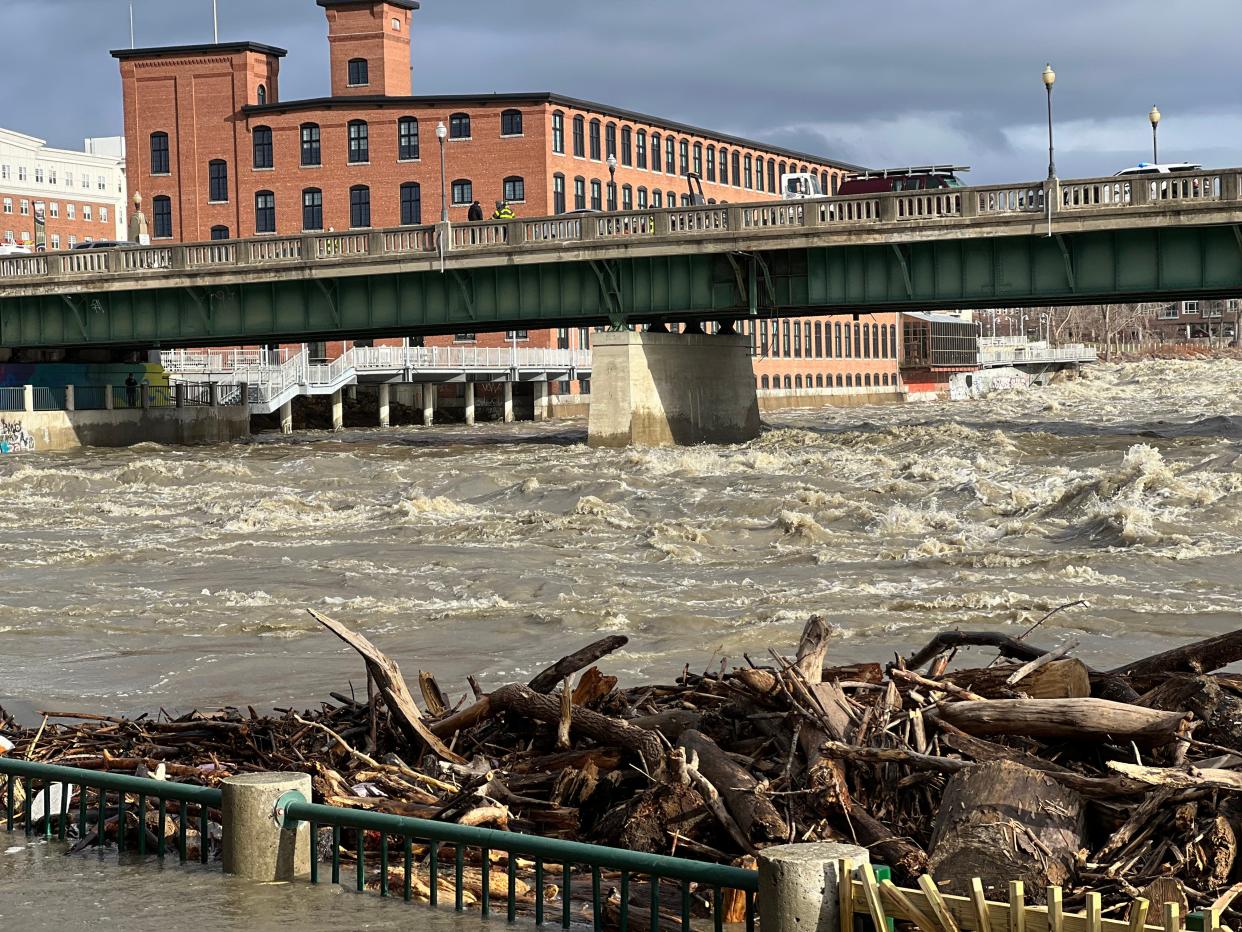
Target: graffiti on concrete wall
x,y
14,438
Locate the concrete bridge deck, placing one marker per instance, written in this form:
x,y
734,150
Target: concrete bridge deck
x,y
1087,241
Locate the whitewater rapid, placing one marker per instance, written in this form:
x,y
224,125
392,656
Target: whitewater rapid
x,y
148,577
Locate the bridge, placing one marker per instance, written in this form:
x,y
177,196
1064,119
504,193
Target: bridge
x,y
1071,242
1021,353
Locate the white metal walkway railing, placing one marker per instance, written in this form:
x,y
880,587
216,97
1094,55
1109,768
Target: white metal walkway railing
x,y
274,379
1032,354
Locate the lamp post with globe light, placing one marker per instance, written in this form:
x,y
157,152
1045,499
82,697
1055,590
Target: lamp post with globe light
x,y
442,134
1154,117
612,182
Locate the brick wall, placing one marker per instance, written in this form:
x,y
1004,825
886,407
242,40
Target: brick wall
x,y
22,227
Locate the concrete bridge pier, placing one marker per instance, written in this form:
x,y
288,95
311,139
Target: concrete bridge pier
x,y
429,404
541,401
286,417
508,402
470,404
385,416
338,410
671,389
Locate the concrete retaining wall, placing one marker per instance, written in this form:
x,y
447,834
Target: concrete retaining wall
x,y
781,399
46,431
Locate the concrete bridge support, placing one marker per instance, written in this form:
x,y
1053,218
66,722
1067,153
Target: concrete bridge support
x,y
338,410
286,417
508,402
429,404
470,404
668,389
541,401
385,417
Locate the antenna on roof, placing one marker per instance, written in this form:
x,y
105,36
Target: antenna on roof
x,y
215,22
131,24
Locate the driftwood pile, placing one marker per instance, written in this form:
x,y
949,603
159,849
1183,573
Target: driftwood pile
x,y
1034,767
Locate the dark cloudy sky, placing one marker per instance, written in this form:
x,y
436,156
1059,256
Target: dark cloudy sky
x,y
889,82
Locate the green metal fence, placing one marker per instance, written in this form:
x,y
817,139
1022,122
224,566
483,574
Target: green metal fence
x,y
494,870
106,802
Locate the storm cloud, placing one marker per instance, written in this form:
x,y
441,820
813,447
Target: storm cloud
x,y
887,83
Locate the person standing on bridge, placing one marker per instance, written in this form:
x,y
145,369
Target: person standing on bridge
x,y
503,212
476,212
131,391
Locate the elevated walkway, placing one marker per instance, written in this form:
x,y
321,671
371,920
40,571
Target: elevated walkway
x,y
1021,353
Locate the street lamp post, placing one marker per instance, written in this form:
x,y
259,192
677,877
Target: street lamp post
x,y
1154,116
1050,78
612,182
442,134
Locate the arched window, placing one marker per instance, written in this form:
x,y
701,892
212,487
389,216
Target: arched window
x,y
264,212
750,174
218,233
806,337
312,209
819,341
884,377
640,147
866,342
819,380
784,169
579,137
657,197
359,206
837,329
159,154
737,169
595,143
407,139
511,123
263,147
610,139
772,180
161,217
459,126
627,146
262,94
823,182
804,170
840,381
515,189
218,181
798,381
558,193
642,198
359,72
857,340
558,132
670,156
867,380
311,152
892,337
411,203
359,142
767,383
849,346
597,195
788,382
835,179
655,152
875,340
849,380
463,192
759,185
698,159
627,197
711,163
579,193
797,340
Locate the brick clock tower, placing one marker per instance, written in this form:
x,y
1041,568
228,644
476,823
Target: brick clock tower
x,y
369,41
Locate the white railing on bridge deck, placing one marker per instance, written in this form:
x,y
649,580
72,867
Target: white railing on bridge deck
x,y
1039,353
965,205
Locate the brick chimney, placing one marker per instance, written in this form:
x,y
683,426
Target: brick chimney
x,y
369,43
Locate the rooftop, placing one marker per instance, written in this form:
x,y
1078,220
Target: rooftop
x,y
225,48
403,4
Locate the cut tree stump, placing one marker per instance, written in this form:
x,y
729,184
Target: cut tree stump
x,y
1060,679
1001,822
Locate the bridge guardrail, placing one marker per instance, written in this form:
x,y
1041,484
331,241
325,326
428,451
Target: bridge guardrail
x,y
952,204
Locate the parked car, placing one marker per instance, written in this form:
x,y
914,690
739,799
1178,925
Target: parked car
x,y
916,178
1163,168
100,244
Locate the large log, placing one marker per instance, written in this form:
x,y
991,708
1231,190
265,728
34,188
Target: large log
x,y
755,814
1060,679
946,640
1063,718
1200,657
1002,822
1218,710
548,680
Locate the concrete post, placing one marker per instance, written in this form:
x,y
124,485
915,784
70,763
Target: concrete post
x,y
541,401
508,402
70,403
736,218
179,394
286,417
515,232
28,398
338,410
385,418
256,847
144,396
470,404
244,388
798,886
352,392
213,394
888,207
108,399
1229,187
429,404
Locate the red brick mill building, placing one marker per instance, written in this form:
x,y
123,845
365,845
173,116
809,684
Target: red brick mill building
x,y
218,153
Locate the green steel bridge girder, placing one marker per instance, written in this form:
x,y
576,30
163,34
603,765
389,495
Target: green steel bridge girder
x,y
1106,266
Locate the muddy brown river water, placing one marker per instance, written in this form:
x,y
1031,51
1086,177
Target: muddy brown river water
x,y
153,577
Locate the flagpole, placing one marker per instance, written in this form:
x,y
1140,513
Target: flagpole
x,y
131,24
215,21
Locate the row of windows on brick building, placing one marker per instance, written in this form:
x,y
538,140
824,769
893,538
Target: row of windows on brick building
x,y
53,210
50,176
848,380
794,340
